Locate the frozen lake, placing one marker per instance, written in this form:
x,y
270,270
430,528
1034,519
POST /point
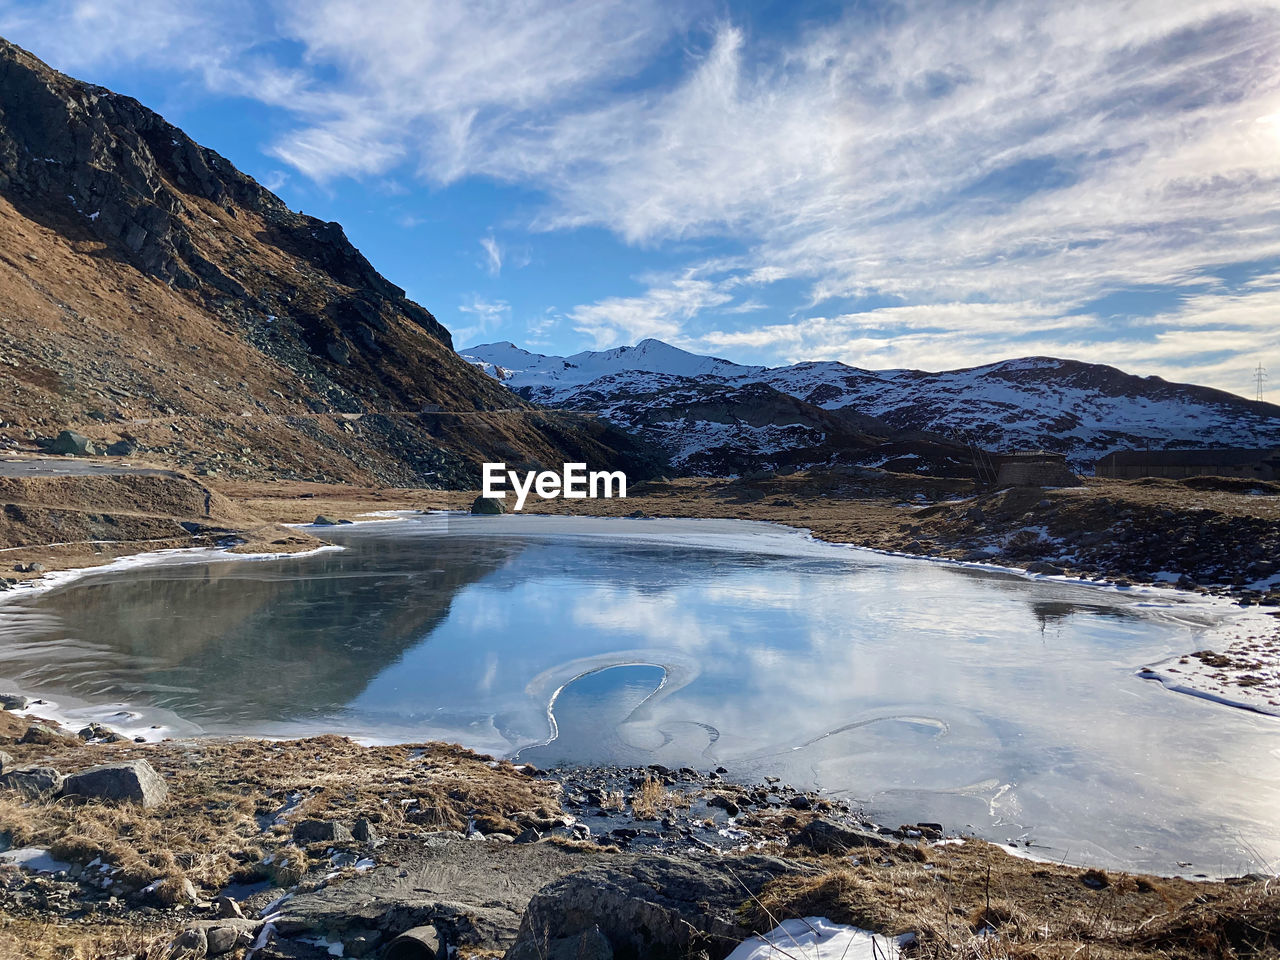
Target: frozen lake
x,y
927,691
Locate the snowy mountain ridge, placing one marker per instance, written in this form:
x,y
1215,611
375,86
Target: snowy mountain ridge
x,y
1083,410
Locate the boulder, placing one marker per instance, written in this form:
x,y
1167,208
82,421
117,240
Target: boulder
x,y
6,762
220,936
68,442
655,907
323,521
487,506
13,701
321,831
32,782
365,832
588,945
824,836
134,781
122,448
46,736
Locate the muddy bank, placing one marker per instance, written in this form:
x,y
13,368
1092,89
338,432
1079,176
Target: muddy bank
x,y
290,849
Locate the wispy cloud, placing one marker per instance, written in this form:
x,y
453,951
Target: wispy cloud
x,y
483,317
492,254
992,168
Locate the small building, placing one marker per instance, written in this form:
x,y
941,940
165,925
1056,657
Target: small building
x,y
1177,464
1034,468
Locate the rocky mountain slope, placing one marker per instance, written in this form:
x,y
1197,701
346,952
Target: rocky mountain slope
x,y
151,293
1084,410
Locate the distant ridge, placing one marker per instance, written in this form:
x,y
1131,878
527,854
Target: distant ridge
x,y
1083,410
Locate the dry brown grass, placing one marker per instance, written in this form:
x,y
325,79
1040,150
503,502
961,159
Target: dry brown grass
x,y
219,791
651,800
40,940
976,901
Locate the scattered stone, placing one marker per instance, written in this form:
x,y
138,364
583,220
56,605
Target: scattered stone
x,y
134,781
96,731
724,803
228,908
321,831
800,802
487,506
32,782
826,836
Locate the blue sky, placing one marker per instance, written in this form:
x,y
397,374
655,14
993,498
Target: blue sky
x,y
923,184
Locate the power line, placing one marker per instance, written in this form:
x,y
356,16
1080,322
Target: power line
x,y
1260,377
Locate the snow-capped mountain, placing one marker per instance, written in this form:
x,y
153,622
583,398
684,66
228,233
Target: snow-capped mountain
x,y
1084,410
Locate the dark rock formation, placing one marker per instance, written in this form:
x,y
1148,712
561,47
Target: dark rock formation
x,y
658,908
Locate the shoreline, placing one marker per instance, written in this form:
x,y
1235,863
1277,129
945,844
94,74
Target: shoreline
x,y
1196,681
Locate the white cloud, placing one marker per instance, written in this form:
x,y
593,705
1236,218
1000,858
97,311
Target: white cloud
x,y
658,313
990,166
483,317
492,255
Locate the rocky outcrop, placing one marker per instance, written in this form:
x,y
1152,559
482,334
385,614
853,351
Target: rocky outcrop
x,y
660,908
127,174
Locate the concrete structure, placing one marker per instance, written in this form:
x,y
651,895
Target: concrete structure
x,y
1034,468
1177,464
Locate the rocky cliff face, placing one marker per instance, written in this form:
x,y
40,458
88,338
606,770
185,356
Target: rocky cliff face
x,y
151,292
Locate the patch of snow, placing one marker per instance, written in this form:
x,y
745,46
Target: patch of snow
x,y
817,938
33,858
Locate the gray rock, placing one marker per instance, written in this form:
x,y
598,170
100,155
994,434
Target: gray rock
x,y
656,907
487,506
824,836
587,945
228,908
191,944
364,831
32,782
96,731
321,831
323,521
1048,569
13,701
471,892
224,934
725,804
6,762
70,442
133,781
46,736
122,448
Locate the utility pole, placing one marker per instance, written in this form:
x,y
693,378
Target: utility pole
x,y
1260,377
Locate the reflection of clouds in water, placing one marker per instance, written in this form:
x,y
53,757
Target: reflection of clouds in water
x,y
664,618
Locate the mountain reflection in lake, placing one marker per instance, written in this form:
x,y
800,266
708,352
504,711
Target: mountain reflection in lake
x,y
930,691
